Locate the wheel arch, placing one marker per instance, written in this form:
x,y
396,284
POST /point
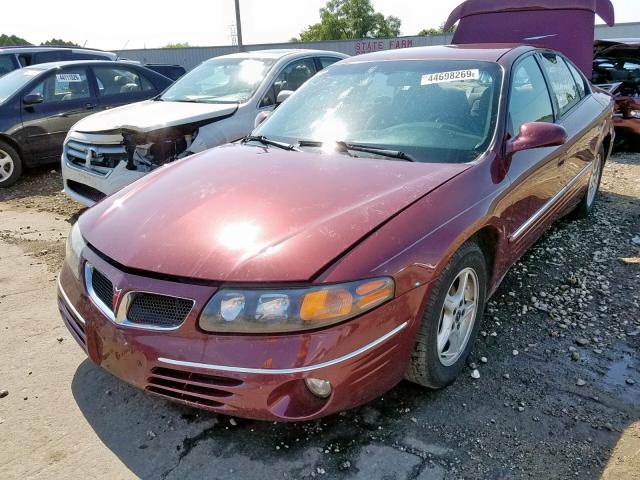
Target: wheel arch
x,y
13,144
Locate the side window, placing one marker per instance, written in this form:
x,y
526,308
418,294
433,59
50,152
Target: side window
x,y
119,80
6,64
291,78
50,56
63,86
529,99
580,82
326,61
562,83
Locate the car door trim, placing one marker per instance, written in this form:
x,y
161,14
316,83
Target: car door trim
x,y
547,206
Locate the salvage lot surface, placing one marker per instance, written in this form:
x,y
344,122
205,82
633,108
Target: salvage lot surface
x,y
558,394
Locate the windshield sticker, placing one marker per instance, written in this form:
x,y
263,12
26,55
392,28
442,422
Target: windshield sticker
x,y
455,76
68,77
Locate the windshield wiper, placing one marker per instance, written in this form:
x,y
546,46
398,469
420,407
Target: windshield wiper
x,y
346,147
265,141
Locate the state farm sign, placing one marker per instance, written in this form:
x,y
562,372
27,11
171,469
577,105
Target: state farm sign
x,y
368,46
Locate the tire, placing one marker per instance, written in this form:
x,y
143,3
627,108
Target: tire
x,y
10,165
585,207
427,366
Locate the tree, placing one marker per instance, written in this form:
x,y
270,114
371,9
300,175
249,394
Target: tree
x,y
177,45
436,31
12,40
348,19
57,42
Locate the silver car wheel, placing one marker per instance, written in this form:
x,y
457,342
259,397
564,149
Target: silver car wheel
x,y
594,180
6,166
458,317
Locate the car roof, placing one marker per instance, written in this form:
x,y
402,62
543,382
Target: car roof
x,y
35,48
618,41
478,52
51,65
277,54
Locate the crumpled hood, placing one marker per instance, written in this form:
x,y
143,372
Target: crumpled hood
x,y
250,214
152,115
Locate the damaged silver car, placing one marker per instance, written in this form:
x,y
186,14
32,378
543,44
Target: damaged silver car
x,y
215,103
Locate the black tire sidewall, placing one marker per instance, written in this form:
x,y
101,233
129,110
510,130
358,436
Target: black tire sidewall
x,y
584,209
17,165
437,374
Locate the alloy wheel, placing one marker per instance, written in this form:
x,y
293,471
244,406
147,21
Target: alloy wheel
x,y
458,317
6,166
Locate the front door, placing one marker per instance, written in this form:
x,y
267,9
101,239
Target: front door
x,y
537,175
67,97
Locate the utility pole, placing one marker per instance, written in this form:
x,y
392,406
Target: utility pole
x,y
239,27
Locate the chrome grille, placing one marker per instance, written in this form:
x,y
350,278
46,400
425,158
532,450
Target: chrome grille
x,y
103,288
99,159
158,310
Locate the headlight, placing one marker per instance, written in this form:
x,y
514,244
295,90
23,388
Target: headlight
x,y
634,113
75,244
294,309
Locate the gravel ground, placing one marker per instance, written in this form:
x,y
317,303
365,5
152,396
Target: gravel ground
x,y
557,394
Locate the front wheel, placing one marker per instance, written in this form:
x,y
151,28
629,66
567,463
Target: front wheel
x,y
10,165
451,320
584,208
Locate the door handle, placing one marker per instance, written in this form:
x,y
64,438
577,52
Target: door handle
x,y
89,106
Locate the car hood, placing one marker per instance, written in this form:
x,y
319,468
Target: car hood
x,y
152,115
250,214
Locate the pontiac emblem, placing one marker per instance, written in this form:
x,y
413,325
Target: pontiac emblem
x,y
117,293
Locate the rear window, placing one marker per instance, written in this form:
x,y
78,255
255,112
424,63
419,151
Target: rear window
x,y
562,83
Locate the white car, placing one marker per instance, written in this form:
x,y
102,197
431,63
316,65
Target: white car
x,y
215,103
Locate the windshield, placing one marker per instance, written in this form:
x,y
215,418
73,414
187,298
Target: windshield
x,y
433,111
14,81
221,80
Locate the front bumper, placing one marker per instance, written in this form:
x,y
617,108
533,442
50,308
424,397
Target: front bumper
x,y
253,376
89,184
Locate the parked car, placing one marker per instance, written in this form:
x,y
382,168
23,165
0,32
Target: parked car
x,y
351,241
213,104
12,58
39,104
174,72
617,65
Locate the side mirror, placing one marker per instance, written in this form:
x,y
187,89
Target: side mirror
x,y
537,135
283,95
33,99
261,117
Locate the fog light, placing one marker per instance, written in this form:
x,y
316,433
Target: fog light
x,y
320,388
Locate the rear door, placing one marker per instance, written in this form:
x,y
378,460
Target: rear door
x,y
576,111
68,96
119,85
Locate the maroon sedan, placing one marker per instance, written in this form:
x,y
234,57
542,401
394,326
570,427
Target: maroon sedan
x,y
350,242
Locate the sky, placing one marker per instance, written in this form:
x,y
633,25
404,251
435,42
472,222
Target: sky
x,y
144,24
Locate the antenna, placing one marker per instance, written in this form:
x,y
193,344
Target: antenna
x,y
125,44
239,26
233,34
